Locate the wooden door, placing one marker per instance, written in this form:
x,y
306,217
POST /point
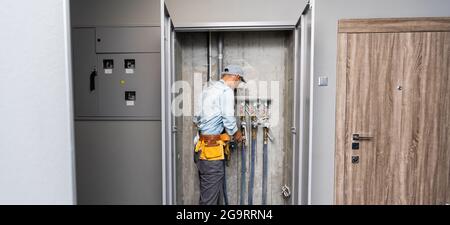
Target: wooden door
x,y
393,90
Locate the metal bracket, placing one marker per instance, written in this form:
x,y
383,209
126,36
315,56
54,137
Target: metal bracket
x,y
293,130
285,192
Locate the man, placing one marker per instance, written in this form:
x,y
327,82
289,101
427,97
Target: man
x,y
215,119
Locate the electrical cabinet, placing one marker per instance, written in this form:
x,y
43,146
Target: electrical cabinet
x,y
128,39
117,72
116,48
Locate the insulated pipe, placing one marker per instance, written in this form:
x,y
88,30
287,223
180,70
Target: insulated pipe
x,y
243,172
265,165
220,52
252,160
266,138
208,78
243,160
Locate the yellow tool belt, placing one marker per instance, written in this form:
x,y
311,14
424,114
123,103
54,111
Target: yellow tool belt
x,y
211,147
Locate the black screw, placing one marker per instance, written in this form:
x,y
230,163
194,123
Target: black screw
x,y
355,159
98,39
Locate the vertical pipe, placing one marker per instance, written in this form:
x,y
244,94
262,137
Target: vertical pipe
x,y
208,78
220,52
296,154
252,171
174,130
243,160
265,165
252,160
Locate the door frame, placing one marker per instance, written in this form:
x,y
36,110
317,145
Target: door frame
x,y
303,88
167,120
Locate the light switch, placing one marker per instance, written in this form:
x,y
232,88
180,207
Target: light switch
x,y
323,81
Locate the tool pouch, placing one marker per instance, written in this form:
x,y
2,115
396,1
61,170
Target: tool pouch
x,y
213,149
214,152
210,151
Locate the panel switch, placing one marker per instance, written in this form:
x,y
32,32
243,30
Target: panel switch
x,y
130,98
323,81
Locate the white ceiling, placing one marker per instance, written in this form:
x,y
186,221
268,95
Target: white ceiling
x,y
185,13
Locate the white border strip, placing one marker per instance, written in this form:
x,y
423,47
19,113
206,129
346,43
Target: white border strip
x,y
69,94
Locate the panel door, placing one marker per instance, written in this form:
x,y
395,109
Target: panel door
x,y
131,39
393,92
132,87
425,128
373,110
84,63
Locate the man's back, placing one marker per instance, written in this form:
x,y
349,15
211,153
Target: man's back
x,y
215,109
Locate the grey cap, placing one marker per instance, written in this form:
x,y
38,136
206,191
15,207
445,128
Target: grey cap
x,y
234,70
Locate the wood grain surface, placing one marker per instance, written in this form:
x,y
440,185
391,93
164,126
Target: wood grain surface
x,y
393,87
394,25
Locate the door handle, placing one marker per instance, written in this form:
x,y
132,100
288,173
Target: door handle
x,y
358,137
92,80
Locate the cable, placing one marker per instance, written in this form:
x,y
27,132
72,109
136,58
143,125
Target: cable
x,y
265,167
252,160
243,161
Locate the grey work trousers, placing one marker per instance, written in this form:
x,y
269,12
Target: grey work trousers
x,y
211,176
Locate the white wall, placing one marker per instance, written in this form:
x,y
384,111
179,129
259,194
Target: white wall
x,y
36,160
197,12
326,15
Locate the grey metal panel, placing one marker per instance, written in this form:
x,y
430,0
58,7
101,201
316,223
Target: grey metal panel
x,y
84,61
128,39
115,12
118,162
145,81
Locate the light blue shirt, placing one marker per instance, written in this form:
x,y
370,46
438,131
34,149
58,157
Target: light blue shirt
x,y
215,110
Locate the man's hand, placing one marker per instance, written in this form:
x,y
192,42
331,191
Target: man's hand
x,y
238,136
